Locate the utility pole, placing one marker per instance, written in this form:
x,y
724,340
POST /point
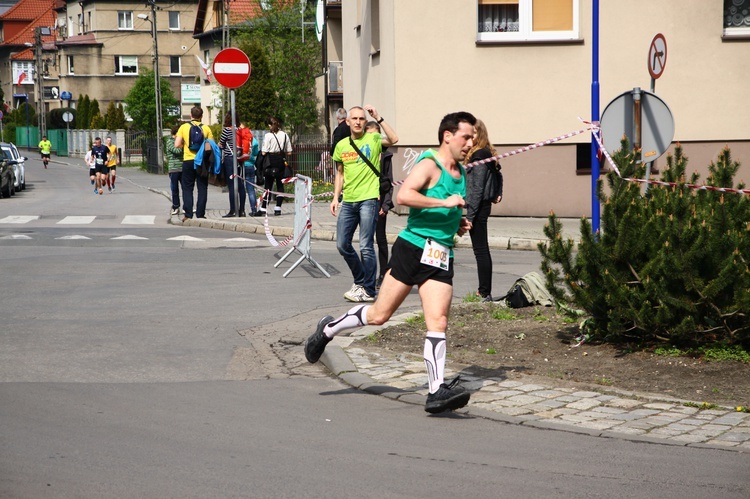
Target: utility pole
x,y
39,81
157,88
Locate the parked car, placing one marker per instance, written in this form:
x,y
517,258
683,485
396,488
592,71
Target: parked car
x,y
7,179
10,152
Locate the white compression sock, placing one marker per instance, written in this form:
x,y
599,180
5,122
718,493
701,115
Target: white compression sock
x,y
434,359
355,317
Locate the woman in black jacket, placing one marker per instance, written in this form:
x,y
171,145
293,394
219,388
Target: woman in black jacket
x,y
484,187
386,204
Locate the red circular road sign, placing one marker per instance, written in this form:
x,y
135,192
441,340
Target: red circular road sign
x,y
657,56
231,68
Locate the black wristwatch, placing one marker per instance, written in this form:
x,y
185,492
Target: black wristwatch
x,y
381,120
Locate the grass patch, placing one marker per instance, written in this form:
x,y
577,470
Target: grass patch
x,y
490,351
718,353
539,316
471,298
702,405
669,352
320,187
711,353
603,381
415,320
503,314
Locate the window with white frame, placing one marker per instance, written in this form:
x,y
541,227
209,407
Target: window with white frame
x,y
174,20
26,68
80,24
175,65
736,17
71,67
527,20
124,19
126,64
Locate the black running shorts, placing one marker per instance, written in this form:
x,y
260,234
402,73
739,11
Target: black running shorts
x,y
406,267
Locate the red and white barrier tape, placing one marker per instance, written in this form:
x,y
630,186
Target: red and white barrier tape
x,y
597,136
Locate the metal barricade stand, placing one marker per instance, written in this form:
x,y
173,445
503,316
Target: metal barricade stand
x,y
302,225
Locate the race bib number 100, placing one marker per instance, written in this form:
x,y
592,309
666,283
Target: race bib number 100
x,y
435,255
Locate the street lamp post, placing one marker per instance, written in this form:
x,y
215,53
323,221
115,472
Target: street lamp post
x,y
157,85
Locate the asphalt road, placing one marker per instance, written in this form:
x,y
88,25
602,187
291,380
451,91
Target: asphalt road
x,y
151,360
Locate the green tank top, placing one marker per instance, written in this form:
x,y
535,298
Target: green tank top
x,y
438,224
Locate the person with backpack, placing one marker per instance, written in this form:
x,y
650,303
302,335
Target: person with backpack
x,y
226,144
190,137
276,147
174,164
248,144
484,187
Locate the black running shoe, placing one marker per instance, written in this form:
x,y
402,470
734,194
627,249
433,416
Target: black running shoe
x,y
447,398
317,341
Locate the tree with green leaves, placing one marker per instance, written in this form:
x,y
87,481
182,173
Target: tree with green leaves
x,y
121,122
83,117
141,101
255,100
668,266
293,64
93,112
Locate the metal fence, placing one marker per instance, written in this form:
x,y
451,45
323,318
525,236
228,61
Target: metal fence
x,y
313,160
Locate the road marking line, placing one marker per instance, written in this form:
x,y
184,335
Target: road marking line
x,y
18,219
129,237
16,236
76,220
184,238
139,220
73,237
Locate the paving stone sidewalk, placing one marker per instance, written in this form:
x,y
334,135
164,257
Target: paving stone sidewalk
x,y
635,416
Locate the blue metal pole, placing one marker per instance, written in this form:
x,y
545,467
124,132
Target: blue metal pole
x,y
595,216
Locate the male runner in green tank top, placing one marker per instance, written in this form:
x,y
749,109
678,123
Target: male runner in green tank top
x,y
423,256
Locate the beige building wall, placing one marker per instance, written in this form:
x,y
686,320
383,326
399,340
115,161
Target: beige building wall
x,y
430,64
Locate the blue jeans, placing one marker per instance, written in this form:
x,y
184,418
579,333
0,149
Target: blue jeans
x,y
365,215
228,165
175,179
250,177
190,179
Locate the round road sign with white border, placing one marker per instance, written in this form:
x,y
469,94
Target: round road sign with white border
x,y
231,68
657,56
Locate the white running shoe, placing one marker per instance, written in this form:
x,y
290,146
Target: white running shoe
x,y
351,295
359,295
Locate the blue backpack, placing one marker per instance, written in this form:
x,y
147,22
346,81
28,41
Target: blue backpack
x,y
196,137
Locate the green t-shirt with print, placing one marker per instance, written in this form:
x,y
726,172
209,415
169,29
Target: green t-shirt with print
x,y
360,181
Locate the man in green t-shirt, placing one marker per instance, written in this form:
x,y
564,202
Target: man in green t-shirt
x,y
357,161
422,256
45,148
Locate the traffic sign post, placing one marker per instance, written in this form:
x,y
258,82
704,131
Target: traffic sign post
x,y
231,68
657,58
644,119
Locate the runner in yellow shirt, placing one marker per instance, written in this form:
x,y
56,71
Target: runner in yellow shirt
x,y
112,164
45,147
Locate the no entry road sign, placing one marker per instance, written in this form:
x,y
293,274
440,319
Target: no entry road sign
x,y
231,68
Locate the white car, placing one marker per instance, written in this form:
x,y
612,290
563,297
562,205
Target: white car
x,y
10,152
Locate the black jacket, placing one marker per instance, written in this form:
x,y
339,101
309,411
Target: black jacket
x,y
386,181
484,182
340,132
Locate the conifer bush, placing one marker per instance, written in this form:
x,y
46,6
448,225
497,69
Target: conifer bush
x,y
667,266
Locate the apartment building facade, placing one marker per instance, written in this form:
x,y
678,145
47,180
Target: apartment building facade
x,y
525,68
